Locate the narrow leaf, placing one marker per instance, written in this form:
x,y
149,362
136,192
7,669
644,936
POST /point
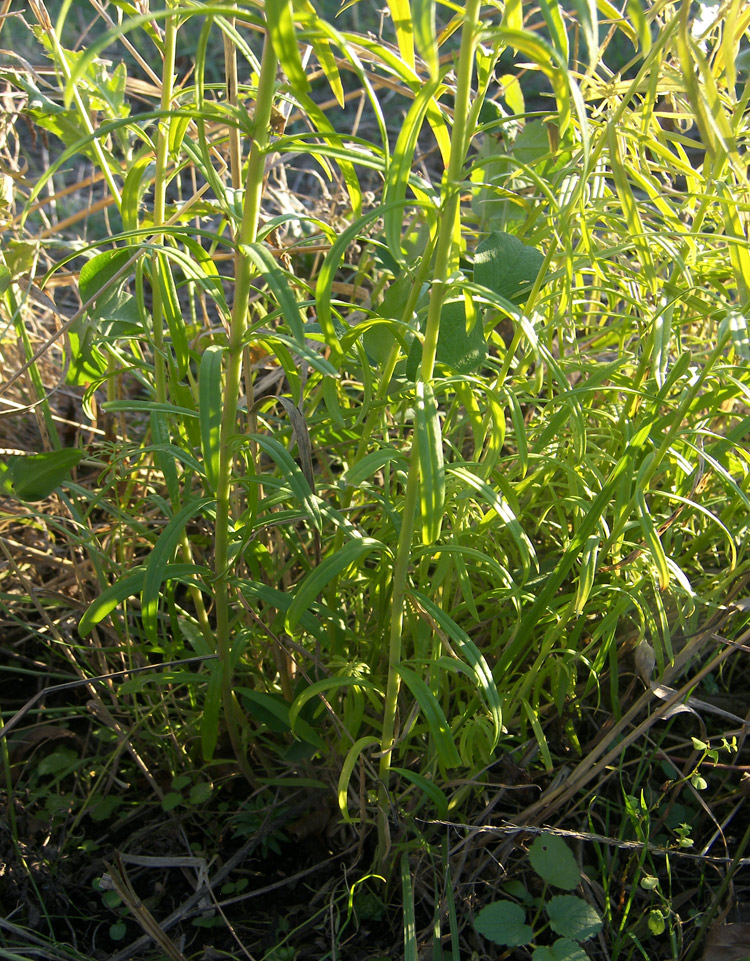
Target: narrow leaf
x,y
280,18
433,714
157,567
210,408
429,440
352,552
276,280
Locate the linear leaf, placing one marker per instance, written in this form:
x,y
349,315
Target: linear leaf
x,y
157,567
429,440
210,408
322,687
276,279
293,475
355,550
423,12
473,657
280,17
352,755
402,21
433,715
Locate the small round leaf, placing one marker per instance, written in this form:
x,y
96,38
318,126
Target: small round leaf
x,y
553,861
656,923
572,917
504,923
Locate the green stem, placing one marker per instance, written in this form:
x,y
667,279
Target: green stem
x,y
247,235
160,195
446,257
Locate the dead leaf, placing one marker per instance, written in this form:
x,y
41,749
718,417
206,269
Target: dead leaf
x,y
728,942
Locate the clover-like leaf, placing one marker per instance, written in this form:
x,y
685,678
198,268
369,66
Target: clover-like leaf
x,y
504,923
553,861
572,917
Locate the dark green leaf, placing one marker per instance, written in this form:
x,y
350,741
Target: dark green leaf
x,y
35,476
553,861
562,950
572,917
504,923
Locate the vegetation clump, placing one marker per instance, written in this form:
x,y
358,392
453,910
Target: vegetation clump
x,y
374,490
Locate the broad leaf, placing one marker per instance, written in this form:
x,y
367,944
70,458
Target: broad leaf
x,y
572,917
562,950
553,861
35,476
504,923
506,266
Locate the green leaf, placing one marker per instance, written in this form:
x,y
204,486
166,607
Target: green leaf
x,y
562,950
589,21
558,33
210,407
35,476
87,363
158,567
275,713
280,17
429,440
572,917
6,480
201,792
642,28
327,61
504,923
461,350
276,280
127,587
98,272
352,755
423,14
506,266
322,687
735,323
353,551
297,481
473,657
434,716
171,800
554,862
172,312
402,21
371,463
427,787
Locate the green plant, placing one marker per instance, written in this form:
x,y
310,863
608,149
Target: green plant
x,y
569,916
418,361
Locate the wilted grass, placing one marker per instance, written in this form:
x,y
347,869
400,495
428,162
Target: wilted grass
x,y
413,402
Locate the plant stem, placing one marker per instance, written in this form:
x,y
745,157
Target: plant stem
x,y
160,188
446,255
445,262
247,235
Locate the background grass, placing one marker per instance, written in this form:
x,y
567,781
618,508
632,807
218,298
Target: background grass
x,y
375,479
